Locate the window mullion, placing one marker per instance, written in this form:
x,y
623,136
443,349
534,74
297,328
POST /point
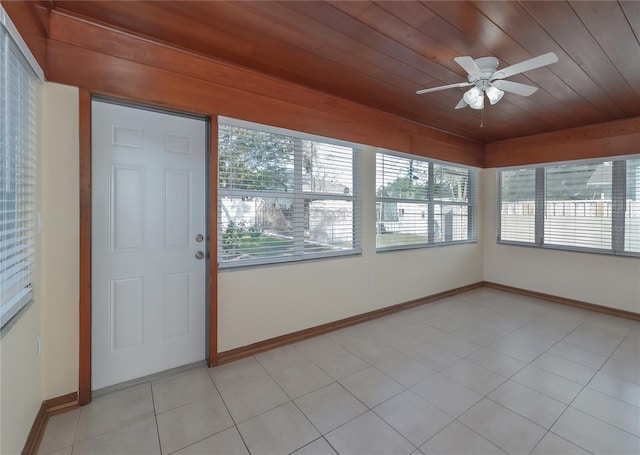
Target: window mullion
x,y
431,218
540,200
298,201
471,197
499,211
357,214
618,205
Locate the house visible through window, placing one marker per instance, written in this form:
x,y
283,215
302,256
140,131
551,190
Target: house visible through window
x,y
17,172
283,196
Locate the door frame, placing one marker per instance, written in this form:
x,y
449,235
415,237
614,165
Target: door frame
x,y
84,370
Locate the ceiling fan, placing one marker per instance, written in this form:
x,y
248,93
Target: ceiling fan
x,y
485,78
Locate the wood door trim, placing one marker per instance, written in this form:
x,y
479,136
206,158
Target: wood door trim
x,y
84,379
84,370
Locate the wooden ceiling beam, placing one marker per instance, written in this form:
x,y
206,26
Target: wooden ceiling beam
x,y
118,64
617,138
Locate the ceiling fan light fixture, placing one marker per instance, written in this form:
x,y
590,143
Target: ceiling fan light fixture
x,y
494,94
474,97
484,76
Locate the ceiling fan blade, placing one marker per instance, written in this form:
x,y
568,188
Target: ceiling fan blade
x,y
469,65
531,64
443,87
515,87
461,104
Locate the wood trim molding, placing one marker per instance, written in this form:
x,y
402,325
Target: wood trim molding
x,y
620,137
31,18
61,404
115,63
554,298
283,340
47,409
37,431
84,371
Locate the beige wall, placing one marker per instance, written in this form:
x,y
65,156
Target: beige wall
x,y
28,378
61,219
20,364
594,278
21,383
255,304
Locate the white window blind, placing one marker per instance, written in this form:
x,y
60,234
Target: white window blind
x,y
419,202
283,196
517,205
402,201
578,205
632,207
587,206
17,176
452,192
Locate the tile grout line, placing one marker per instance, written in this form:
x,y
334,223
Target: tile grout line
x,y
235,424
527,364
530,364
191,402
613,398
140,384
455,419
581,390
335,381
155,416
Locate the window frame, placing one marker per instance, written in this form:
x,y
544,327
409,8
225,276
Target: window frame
x,y
431,201
618,199
19,292
297,197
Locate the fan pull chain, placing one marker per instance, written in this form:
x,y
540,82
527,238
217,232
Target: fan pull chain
x,y
481,117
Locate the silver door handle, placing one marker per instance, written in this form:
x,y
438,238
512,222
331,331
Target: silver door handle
x,y
199,238
199,255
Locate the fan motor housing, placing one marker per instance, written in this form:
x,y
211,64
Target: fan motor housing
x,y
488,66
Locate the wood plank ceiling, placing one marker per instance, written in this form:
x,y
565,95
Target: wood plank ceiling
x,y
379,53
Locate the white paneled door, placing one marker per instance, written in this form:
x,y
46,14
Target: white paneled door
x,y
148,242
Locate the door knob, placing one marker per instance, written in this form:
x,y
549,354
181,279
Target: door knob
x,y
199,238
199,255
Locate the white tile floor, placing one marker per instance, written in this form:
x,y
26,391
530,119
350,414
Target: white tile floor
x,y
483,372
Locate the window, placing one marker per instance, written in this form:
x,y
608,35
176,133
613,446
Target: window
x,y
421,203
589,206
283,196
518,197
17,172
